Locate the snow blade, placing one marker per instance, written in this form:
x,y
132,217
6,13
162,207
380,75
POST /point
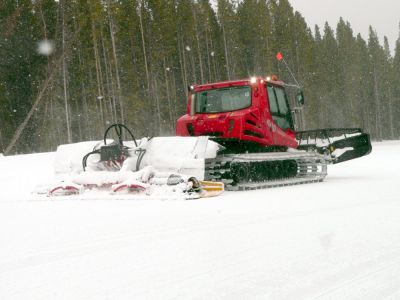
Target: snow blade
x,y
340,144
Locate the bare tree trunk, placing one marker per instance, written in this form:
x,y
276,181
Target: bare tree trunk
x,y
52,114
114,102
144,46
377,107
119,90
82,91
391,113
110,84
43,142
213,63
208,58
191,57
198,46
79,118
87,124
43,21
174,97
64,67
182,62
157,106
44,145
1,139
226,53
99,80
170,108
200,59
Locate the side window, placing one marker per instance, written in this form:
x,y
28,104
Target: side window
x,y
283,107
273,105
279,108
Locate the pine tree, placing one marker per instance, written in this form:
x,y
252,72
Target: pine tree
x,y
378,97
211,41
347,76
330,108
228,18
283,34
363,83
254,37
396,89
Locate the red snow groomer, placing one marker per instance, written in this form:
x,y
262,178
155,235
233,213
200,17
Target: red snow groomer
x,y
236,135
254,121
242,133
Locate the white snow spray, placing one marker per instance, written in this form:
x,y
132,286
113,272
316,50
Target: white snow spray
x,y
45,47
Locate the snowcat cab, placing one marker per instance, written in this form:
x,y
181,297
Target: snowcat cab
x,y
243,114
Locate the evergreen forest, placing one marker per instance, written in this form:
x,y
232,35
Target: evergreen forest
x,y
69,69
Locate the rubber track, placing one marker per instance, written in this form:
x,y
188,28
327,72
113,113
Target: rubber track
x,y
311,167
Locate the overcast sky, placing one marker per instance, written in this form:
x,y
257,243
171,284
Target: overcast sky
x,y
383,15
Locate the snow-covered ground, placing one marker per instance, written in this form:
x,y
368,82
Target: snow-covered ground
x,y
339,239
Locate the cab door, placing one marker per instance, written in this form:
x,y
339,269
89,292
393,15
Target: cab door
x,y
281,124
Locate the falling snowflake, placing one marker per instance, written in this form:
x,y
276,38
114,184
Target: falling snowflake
x,y
187,48
45,47
212,53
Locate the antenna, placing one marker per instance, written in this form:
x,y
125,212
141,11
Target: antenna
x,y
279,57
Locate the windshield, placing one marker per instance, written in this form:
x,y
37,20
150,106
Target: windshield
x,y
223,99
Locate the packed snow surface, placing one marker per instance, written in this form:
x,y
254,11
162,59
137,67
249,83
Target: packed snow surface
x,y
339,239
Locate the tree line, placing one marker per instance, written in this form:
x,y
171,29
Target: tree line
x,y
130,61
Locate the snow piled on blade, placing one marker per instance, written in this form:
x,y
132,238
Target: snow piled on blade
x,y
339,239
164,158
68,157
184,155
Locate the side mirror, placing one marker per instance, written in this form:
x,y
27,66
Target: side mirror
x,y
300,98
